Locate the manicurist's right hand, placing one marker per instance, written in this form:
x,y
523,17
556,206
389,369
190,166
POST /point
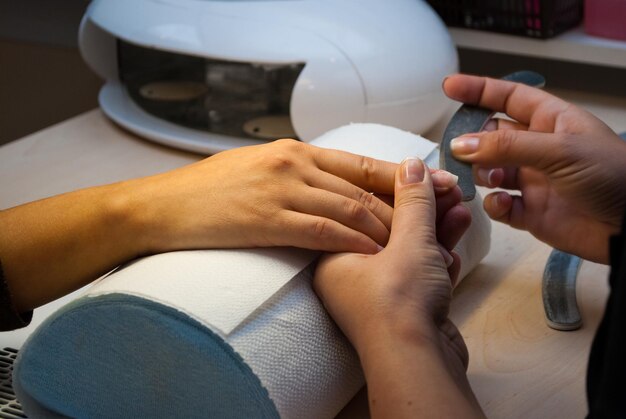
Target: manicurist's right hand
x,y
569,167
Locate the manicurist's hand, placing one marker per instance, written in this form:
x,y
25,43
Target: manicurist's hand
x,y
393,306
569,167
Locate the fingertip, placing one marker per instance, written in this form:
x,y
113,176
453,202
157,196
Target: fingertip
x,y
453,225
366,247
445,201
462,87
464,146
498,205
443,82
462,216
443,180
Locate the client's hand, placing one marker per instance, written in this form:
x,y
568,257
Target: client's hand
x,y
285,193
393,306
568,165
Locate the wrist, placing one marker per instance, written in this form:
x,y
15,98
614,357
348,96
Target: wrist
x,y
415,370
128,214
406,331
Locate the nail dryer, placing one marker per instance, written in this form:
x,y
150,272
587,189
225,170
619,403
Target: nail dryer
x,y
207,75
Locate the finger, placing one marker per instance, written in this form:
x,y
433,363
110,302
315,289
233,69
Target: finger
x,y
519,101
349,212
512,148
505,208
443,181
487,176
498,177
367,173
446,201
332,183
453,225
414,210
319,233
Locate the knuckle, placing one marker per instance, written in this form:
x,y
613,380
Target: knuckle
x,y
416,200
290,145
355,210
285,142
321,229
368,200
368,168
279,162
505,142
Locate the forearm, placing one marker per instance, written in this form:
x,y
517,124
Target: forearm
x,y
409,376
51,247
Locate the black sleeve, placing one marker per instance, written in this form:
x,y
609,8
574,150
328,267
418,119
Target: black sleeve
x,y
606,374
9,318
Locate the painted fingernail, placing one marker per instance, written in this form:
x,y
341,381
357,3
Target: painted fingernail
x,y
444,179
379,249
486,176
412,171
464,145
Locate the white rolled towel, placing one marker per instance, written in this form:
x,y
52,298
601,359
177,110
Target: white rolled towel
x,y
212,333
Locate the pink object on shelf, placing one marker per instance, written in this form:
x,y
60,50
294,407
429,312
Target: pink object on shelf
x,y
606,18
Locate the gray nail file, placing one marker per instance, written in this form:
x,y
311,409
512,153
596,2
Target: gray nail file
x,y
472,119
559,291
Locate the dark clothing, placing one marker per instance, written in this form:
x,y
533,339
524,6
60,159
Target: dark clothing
x,y
606,374
9,318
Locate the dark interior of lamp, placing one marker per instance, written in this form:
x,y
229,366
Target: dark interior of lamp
x,y
225,97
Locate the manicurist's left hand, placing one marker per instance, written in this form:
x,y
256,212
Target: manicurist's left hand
x,y
393,306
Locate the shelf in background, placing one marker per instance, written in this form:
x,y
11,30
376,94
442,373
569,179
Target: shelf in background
x,y
574,45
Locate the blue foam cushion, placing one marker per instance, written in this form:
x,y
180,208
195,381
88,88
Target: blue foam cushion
x,y
123,356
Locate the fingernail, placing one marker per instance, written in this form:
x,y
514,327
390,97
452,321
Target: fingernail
x,y
499,200
464,145
447,257
443,82
491,125
412,171
444,179
486,176
379,249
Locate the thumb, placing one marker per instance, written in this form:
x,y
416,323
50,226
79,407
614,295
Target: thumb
x,y
511,148
414,212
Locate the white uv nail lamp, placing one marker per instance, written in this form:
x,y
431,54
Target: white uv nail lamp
x,y
208,75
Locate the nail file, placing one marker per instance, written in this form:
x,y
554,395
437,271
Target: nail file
x,y
473,119
559,291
